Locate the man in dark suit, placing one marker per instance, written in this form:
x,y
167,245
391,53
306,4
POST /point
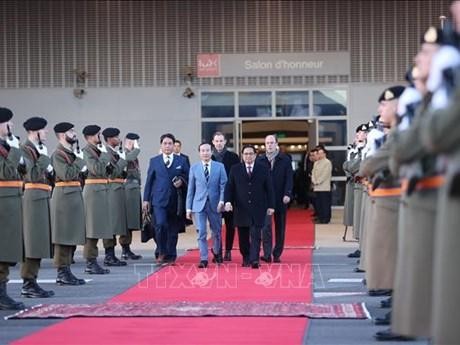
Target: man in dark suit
x,y
228,159
282,179
166,177
249,193
178,149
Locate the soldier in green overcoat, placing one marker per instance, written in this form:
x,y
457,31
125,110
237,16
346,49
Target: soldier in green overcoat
x,y
95,197
133,197
67,208
36,207
117,199
10,206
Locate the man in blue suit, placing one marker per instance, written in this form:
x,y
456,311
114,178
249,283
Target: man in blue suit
x,y
249,193
166,182
205,198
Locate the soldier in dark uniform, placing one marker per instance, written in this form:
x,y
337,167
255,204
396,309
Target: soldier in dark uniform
x,y
95,197
133,197
67,208
11,251
36,207
228,159
117,203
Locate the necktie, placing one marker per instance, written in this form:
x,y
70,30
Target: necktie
x,y
206,172
168,161
249,171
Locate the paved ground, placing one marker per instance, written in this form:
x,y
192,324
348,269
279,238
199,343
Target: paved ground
x,y
329,262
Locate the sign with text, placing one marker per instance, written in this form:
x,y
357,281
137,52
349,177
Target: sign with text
x,y
274,64
208,65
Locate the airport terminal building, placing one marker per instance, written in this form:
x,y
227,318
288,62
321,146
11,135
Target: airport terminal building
x,y
310,71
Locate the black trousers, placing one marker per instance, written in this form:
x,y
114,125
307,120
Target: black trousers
x,y
280,234
323,206
229,230
249,240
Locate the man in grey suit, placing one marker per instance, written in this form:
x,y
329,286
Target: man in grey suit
x,y
205,198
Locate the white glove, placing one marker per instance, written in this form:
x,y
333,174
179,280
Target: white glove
x,y
21,160
49,168
43,150
122,155
13,142
136,144
79,153
84,169
102,148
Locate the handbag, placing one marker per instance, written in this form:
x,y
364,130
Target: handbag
x,y
148,227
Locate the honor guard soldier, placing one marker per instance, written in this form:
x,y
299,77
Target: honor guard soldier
x,y
95,197
133,197
11,250
36,206
117,203
67,208
412,307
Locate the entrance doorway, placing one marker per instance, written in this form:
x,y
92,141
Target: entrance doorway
x,y
295,137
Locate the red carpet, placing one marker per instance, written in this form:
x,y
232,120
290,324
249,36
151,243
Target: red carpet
x,y
289,281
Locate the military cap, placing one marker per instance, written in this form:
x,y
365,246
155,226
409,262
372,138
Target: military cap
x,y
362,128
433,35
132,136
391,93
63,127
35,123
5,115
91,130
110,132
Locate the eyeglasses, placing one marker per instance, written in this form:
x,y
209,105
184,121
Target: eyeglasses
x,y
248,154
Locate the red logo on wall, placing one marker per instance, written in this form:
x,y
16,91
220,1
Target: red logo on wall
x,y
208,65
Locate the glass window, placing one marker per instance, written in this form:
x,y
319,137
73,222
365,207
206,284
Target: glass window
x,y
255,104
209,128
329,102
217,104
338,193
292,103
333,133
337,158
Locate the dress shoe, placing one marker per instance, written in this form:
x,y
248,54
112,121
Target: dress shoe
x,y
126,254
92,267
386,303
228,255
383,321
267,260
387,335
255,264
276,259
203,264
31,289
217,257
6,302
358,270
379,292
355,254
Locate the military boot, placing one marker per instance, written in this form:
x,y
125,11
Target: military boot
x,y
126,253
6,302
92,267
31,289
110,258
65,277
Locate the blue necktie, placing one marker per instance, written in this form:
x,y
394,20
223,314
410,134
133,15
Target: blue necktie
x,y
206,172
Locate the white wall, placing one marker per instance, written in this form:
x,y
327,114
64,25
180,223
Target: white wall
x,y
149,112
